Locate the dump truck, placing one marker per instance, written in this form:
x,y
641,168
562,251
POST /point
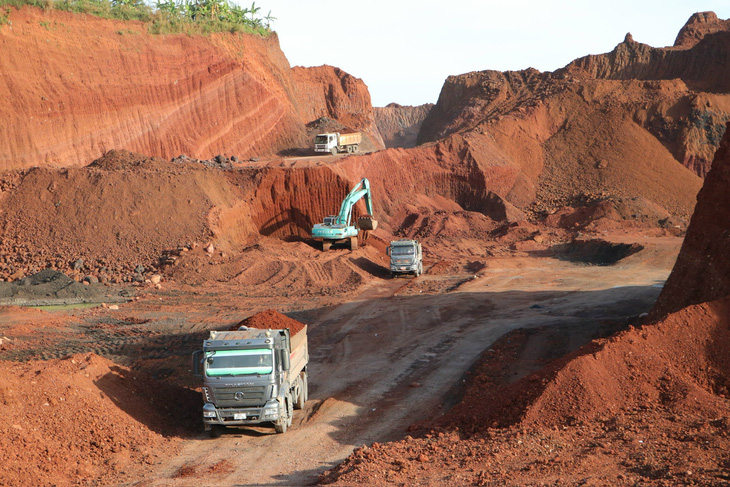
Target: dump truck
x,y
335,142
338,228
252,376
406,257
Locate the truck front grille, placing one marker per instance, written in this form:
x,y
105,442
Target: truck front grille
x,y
241,396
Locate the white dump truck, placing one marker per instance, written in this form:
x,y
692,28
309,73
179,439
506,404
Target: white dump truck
x,y
406,257
336,142
252,376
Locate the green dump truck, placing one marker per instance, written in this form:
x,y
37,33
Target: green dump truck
x,y
252,376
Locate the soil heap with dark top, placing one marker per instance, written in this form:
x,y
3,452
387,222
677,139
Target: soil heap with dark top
x,y
49,287
85,420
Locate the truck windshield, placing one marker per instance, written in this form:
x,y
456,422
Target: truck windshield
x,y
239,362
400,250
320,139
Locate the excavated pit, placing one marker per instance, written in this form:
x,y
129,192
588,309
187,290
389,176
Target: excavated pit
x,y
595,252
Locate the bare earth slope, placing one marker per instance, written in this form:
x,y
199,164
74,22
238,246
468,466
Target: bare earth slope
x,y
647,406
98,84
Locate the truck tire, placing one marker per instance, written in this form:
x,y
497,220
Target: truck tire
x,y
283,423
216,430
305,386
299,401
334,151
355,148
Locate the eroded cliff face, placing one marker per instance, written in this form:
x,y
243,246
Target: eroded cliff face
x,y
702,270
399,125
78,86
684,106
330,93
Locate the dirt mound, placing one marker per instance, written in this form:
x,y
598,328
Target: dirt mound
x,y
648,405
271,320
85,420
106,219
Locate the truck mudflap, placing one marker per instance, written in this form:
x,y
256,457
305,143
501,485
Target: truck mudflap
x,y
240,416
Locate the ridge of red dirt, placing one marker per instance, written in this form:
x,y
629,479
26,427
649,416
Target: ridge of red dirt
x,y
703,265
104,421
668,102
102,84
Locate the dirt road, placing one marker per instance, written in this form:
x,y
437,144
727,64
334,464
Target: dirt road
x,y
398,353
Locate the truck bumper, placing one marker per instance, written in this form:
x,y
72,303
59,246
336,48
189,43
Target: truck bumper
x,y
240,416
404,269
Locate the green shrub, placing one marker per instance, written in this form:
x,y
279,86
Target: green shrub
x,y
193,17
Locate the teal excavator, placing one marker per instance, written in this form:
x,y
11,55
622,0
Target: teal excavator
x,y
337,229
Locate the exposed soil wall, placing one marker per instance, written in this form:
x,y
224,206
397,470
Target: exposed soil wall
x,y
79,86
702,271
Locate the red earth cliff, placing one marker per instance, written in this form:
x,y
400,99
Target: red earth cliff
x,y
703,266
101,84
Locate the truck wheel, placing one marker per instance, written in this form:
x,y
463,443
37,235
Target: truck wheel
x,y
216,430
283,423
334,151
305,387
355,148
281,426
349,149
299,402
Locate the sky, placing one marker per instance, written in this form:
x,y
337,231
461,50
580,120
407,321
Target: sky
x,y
404,50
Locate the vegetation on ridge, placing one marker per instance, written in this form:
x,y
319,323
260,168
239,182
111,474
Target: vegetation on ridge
x,y
166,17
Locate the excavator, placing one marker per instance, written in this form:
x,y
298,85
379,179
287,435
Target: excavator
x,y
337,229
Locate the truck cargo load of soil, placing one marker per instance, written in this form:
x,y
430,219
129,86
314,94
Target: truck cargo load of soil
x,y
271,320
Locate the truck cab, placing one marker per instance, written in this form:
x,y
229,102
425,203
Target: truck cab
x,y
326,143
406,257
252,376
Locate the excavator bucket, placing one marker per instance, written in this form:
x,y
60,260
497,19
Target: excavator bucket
x,y
367,223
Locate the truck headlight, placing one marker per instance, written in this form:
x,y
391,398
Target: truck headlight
x,y
209,414
271,413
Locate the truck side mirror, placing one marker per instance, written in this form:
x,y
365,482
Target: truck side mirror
x,y
196,363
284,359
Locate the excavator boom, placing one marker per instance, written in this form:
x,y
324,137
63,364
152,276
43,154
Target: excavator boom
x,y
339,228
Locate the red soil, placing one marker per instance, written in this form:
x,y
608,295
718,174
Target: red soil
x,y
703,266
161,95
271,320
85,419
649,405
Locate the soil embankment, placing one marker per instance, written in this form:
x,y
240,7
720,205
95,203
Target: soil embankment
x,y
102,84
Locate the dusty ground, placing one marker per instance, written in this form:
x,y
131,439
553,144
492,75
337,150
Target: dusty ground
x,y
385,355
